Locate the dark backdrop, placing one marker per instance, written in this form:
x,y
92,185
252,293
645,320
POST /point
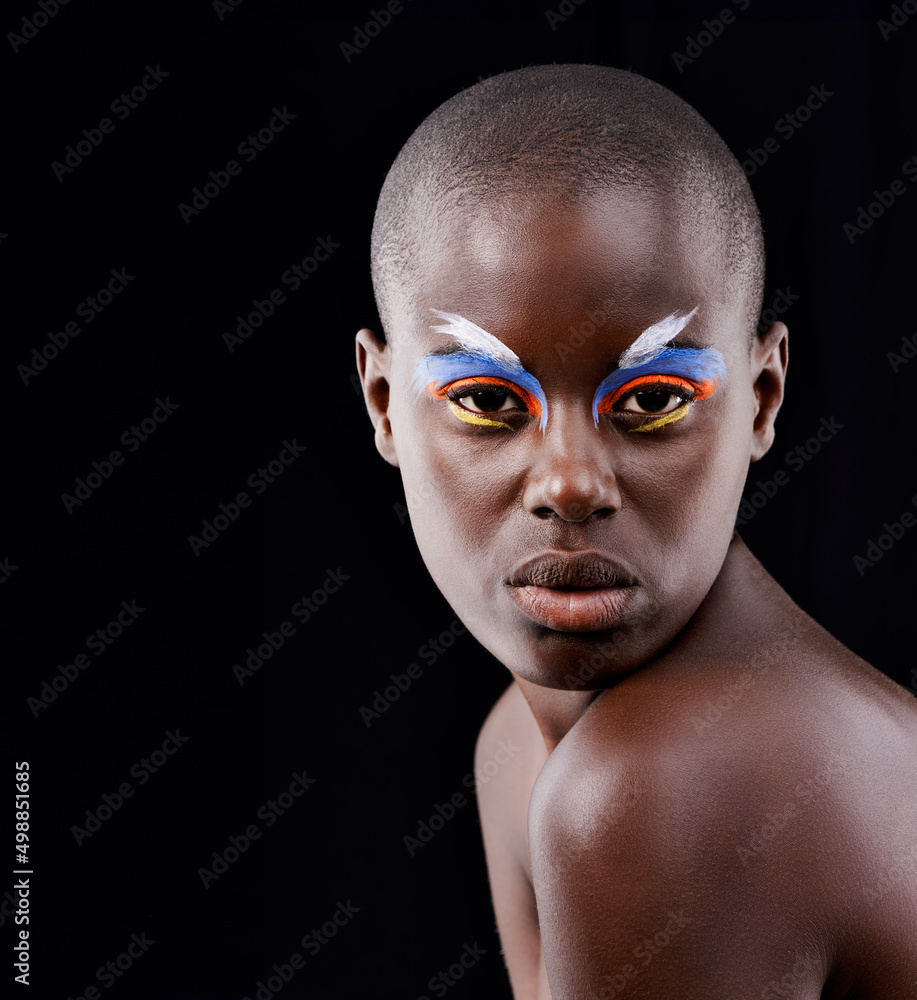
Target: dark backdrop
x,y
125,832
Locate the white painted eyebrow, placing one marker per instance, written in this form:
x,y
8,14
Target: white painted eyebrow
x,y
652,342
472,337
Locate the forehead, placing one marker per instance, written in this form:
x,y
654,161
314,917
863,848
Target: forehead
x,y
531,271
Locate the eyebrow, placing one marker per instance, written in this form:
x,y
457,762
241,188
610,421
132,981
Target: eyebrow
x,y
476,353
479,353
450,363
686,358
655,339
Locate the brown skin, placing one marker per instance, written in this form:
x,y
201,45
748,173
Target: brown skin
x,y
715,709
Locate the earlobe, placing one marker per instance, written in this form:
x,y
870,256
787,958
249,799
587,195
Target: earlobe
x,y
374,365
769,355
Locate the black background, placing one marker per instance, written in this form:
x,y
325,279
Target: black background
x,y
336,507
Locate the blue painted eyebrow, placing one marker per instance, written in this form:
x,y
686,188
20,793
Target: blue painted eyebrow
x,y
700,364
443,367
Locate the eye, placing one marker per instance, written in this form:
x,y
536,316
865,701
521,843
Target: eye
x,y
487,394
487,401
653,401
654,395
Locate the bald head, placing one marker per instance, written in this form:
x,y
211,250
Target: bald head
x,y
569,133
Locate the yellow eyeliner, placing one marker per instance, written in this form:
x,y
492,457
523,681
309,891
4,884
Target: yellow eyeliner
x,y
669,418
474,418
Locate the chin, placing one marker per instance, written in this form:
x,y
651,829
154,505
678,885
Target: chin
x,y
567,661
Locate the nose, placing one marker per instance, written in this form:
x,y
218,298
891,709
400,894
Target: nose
x,y
572,476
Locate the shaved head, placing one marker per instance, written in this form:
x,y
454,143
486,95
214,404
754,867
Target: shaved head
x,y
569,133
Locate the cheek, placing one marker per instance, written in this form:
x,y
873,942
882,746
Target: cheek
x,y
455,504
681,498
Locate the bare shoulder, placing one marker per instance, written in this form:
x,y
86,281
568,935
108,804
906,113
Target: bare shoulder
x,y
508,755
748,819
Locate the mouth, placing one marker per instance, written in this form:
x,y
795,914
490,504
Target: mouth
x,y
572,591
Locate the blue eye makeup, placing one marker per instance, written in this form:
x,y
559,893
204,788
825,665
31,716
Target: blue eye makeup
x,y
441,374
698,369
481,375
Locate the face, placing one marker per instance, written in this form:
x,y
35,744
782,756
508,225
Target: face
x,y
570,397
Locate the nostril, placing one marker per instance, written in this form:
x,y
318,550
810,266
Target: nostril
x,y
575,512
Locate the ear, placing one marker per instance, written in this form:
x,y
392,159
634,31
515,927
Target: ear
x,y
769,355
374,365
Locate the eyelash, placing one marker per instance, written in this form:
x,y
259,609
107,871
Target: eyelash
x,y
461,388
471,387
685,389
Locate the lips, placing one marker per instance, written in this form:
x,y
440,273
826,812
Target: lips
x,y
572,591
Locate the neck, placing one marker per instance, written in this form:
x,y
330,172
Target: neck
x,y
555,711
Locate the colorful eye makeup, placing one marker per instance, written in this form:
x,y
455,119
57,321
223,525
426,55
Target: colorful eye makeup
x,y
482,365
481,379
650,370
